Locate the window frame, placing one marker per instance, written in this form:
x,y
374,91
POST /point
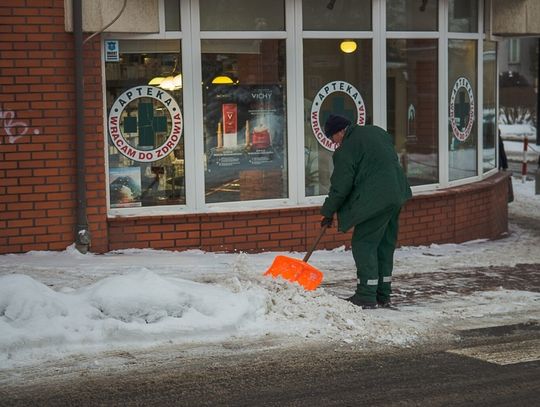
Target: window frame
x,y
514,51
496,107
190,37
198,35
300,36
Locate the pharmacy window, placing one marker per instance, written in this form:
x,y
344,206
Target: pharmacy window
x,y
489,116
412,106
244,119
337,79
462,109
145,123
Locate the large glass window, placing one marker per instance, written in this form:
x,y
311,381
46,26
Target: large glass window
x,y
412,100
462,131
463,16
406,15
490,104
240,142
334,82
144,104
244,120
332,15
242,15
172,15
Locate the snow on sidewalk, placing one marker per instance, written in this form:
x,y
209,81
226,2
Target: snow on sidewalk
x,y
57,304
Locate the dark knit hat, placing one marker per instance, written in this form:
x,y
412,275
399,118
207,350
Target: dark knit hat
x,y
334,124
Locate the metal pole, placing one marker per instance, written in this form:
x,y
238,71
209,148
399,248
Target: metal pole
x,y
82,235
524,159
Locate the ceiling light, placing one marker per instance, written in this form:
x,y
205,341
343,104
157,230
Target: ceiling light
x,y
171,82
222,80
348,46
168,80
156,81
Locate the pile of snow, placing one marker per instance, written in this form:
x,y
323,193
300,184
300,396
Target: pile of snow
x,y
55,304
142,308
139,304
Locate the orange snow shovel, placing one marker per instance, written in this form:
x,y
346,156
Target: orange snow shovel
x,y
296,270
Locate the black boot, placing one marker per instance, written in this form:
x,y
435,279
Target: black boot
x,y
361,303
384,304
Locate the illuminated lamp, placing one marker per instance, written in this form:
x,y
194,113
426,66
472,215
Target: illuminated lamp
x,y
156,81
222,80
348,46
170,82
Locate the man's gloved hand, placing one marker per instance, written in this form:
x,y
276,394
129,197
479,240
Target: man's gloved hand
x,y
326,221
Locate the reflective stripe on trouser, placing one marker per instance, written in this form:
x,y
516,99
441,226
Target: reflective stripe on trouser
x,y
373,244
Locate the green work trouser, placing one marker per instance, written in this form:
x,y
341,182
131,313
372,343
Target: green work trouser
x,y
373,244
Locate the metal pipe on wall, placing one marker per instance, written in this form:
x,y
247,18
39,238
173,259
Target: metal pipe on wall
x,y
82,234
538,94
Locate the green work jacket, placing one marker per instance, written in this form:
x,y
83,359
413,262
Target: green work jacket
x,y
367,179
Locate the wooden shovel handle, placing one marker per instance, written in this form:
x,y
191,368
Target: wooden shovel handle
x,y
308,254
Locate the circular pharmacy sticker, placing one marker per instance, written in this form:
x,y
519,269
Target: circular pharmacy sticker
x,y
462,109
140,115
322,94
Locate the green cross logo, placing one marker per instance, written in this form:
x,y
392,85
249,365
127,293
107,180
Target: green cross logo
x,y
462,109
338,107
146,124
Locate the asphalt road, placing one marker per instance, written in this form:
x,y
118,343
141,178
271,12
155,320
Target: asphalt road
x,y
319,376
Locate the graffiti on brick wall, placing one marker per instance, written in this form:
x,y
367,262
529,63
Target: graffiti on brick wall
x,y
13,129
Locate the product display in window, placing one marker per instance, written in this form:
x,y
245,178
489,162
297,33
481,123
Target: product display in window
x,y
125,187
244,121
248,130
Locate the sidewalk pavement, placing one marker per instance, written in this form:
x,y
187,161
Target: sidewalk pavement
x,y
514,151
422,288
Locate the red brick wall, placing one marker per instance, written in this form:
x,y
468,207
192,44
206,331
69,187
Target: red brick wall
x,y
456,215
37,130
283,229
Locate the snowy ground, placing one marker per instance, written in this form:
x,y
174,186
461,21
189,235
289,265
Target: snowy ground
x,y
57,305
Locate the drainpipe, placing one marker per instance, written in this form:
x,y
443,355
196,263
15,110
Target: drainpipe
x,y
82,235
538,95
537,177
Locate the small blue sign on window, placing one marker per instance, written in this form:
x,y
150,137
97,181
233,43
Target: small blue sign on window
x,y
112,51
